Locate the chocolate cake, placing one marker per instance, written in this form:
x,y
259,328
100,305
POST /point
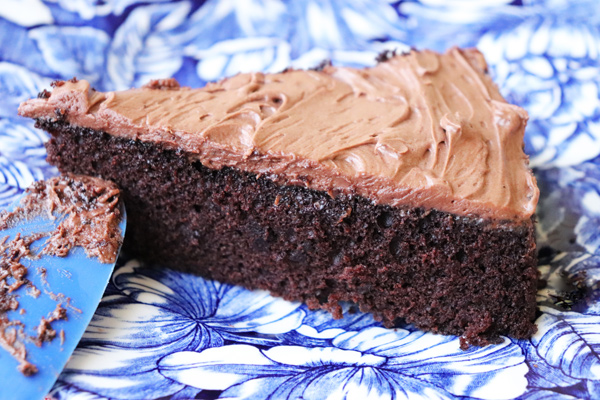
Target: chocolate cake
x,y
402,187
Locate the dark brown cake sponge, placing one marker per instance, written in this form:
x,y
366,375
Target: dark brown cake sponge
x,y
440,272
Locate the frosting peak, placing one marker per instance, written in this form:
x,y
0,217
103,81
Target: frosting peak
x,y
420,129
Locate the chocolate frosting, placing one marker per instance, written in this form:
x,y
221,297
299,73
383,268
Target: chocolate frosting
x,y
89,212
88,217
421,129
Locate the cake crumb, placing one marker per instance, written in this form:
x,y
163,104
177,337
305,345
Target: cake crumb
x,y
345,215
159,84
385,55
572,290
321,66
27,368
90,219
44,94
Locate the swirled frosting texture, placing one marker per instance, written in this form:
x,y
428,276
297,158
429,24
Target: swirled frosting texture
x,y
421,129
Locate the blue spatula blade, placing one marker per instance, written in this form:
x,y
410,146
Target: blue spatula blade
x,y
76,276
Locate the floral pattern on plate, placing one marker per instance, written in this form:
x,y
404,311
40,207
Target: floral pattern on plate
x,y
160,334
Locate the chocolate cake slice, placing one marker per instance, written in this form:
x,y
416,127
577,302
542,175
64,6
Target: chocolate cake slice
x,y
402,187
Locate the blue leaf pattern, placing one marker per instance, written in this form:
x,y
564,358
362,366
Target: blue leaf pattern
x,y
163,334
259,54
17,84
172,311
22,158
70,51
374,361
543,57
577,335
146,46
88,9
19,12
330,25
218,21
562,85
569,207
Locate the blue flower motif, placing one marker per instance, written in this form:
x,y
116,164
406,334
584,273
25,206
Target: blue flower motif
x,y
549,65
543,56
218,21
268,54
230,57
318,328
23,50
22,152
569,208
22,158
304,24
88,9
234,37
431,24
65,391
373,362
149,313
17,84
147,46
566,353
331,25
588,234
563,354
319,324
567,265
544,381
72,51
20,12
15,177
458,12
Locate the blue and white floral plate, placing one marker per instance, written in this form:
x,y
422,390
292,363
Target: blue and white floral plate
x,y
160,334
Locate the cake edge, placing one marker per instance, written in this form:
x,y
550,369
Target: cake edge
x,y
476,335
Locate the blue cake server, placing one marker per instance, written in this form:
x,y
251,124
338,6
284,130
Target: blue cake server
x,y
79,278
